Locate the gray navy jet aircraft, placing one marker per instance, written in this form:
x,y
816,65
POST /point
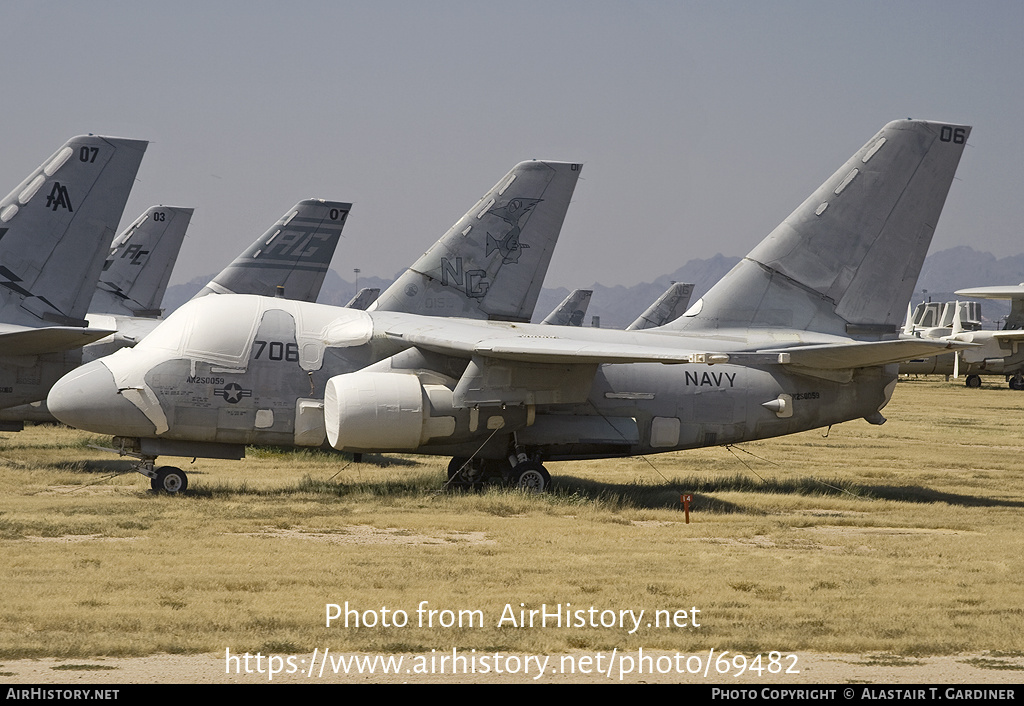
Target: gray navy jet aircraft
x,y
801,334
489,265
291,259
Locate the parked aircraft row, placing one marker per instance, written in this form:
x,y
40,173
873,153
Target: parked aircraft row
x,y
802,333
289,259
994,353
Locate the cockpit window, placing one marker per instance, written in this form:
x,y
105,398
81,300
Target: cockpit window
x,y
169,334
215,328
222,328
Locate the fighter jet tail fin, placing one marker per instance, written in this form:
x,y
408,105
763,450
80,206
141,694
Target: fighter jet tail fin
x,y
57,226
491,263
846,261
668,307
572,310
363,298
291,258
135,275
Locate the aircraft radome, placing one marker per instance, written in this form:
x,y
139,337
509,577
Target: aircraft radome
x,y
489,265
801,334
290,259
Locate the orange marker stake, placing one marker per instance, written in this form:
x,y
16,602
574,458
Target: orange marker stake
x,y
685,499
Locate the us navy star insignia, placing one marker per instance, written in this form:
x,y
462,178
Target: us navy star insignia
x,y
233,393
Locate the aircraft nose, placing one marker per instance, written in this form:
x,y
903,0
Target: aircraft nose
x,y
87,398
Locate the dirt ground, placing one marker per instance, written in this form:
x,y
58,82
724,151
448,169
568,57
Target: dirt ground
x,y
813,669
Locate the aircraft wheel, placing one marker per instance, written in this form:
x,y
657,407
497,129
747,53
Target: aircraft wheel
x,y
170,480
531,476
973,381
457,474
455,466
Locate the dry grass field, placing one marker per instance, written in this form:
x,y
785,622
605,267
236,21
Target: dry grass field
x,y
898,544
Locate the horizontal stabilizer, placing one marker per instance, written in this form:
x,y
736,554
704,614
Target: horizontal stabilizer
x,y
968,337
37,341
844,356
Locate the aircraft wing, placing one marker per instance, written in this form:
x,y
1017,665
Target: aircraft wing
x,y
526,345
1016,335
842,356
17,340
524,364
1005,292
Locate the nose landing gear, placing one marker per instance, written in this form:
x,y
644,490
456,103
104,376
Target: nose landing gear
x,y
169,479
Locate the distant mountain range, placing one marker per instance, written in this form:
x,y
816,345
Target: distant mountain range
x,y
942,274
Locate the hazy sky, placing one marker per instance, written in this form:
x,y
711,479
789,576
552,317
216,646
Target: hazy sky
x,y
701,125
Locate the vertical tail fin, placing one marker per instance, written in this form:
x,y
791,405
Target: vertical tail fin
x,y
139,265
668,307
572,310
56,229
294,254
846,261
908,323
363,298
491,263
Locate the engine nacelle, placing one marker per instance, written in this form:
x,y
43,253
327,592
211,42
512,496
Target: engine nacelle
x,y
367,411
381,411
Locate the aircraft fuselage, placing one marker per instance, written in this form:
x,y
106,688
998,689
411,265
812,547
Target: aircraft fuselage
x,y
256,371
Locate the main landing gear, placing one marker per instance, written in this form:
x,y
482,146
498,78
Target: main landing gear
x,y
1016,381
476,473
